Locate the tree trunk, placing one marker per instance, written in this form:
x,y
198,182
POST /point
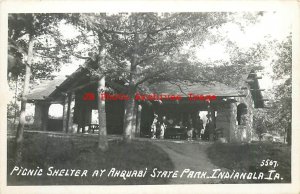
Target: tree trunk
x,y
138,121
289,134
130,111
134,119
20,129
285,136
102,141
16,95
129,116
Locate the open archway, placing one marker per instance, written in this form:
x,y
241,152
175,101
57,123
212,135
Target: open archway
x,y
55,115
242,111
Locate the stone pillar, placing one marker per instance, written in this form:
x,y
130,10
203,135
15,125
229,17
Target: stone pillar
x,y
226,120
80,117
65,115
38,115
45,116
41,115
83,118
71,106
138,121
232,122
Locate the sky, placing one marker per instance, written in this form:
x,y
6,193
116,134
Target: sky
x,y
273,25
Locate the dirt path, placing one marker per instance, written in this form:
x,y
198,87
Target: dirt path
x,y
189,155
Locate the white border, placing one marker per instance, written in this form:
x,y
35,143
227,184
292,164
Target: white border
x,y
149,6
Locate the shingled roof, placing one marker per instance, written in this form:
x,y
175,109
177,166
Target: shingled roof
x,y
45,88
49,87
184,88
52,87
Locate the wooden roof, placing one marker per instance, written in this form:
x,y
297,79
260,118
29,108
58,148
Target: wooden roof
x,y
50,88
54,88
184,88
45,88
255,90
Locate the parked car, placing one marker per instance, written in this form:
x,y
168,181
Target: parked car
x,y
271,137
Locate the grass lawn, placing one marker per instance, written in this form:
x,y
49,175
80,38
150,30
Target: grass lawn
x,y
81,153
248,157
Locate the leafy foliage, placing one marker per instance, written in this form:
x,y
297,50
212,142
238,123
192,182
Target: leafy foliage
x,y
42,28
283,91
146,46
241,63
278,117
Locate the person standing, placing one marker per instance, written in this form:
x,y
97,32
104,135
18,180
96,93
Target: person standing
x,y
198,127
209,129
154,126
190,129
162,127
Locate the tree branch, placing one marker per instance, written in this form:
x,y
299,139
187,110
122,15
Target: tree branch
x,y
178,87
151,76
15,45
80,57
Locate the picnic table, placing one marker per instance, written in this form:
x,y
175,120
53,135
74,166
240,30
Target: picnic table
x,y
175,133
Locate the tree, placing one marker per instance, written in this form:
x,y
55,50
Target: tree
x,y
13,107
276,118
26,37
282,68
263,122
240,63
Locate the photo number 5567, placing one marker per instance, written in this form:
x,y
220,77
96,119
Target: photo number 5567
x,y
269,162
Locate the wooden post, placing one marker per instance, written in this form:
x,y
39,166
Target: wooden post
x,y
213,117
88,116
65,115
138,121
80,115
82,120
71,105
45,116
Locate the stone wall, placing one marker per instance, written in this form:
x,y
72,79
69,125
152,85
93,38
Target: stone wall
x,y
244,131
226,120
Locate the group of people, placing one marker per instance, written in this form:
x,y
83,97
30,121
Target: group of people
x,y
193,128
198,131
158,127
